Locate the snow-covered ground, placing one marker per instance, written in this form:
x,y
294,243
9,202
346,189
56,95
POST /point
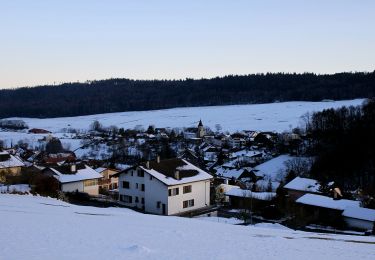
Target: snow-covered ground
x,y
43,228
23,188
233,221
263,117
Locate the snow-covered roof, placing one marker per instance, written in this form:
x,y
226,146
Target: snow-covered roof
x,y
246,153
100,169
10,162
303,184
360,213
226,187
87,173
231,164
229,173
199,176
122,166
327,202
238,192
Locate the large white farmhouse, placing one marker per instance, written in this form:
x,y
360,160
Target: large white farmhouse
x,y
167,187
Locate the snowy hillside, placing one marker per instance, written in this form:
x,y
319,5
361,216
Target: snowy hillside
x,y
263,117
42,228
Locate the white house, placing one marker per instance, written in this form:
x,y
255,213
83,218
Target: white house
x,y
76,177
10,164
167,187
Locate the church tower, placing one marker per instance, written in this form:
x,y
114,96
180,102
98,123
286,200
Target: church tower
x,y
200,132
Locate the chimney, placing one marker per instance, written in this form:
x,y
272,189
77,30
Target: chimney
x,y
73,168
177,175
148,164
158,159
226,181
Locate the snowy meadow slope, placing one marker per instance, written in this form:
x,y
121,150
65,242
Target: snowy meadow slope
x,y
44,228
263,117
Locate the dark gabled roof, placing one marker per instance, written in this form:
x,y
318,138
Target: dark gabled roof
x,y
4,157
66,168
170,166
200,123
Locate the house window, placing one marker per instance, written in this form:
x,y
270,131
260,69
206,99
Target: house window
x,y
142,187
173,192
158,204
136,185
187,189
151,177
140,173
126,185
87,183
126,198
136,200
188,203
143,200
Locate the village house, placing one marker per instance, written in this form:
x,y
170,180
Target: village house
x,y
108,182
221,189
9,164
301,186
247,199
237,140
191,157
167,187
359,218
39,131
318,209
210,153
52,158
252,157
75,177
233,175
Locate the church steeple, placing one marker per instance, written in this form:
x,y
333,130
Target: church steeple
x,y
201,131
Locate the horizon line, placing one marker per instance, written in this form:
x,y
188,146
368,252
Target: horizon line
x,y
87,81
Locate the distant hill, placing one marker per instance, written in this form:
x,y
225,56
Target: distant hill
x,y
117,95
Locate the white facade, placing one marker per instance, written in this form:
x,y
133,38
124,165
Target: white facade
x,y
200,194
81,186
130,185
141,189
72,186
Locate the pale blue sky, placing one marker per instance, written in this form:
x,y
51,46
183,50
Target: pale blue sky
x,y
46,41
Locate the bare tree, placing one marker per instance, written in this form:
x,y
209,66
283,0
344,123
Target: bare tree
x,y
300,166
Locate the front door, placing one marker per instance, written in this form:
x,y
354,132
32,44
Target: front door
x,y
163,207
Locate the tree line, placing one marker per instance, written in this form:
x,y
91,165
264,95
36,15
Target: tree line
x,y
117,95
343,142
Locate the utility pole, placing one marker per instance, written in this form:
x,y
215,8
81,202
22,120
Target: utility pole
x,y
251,207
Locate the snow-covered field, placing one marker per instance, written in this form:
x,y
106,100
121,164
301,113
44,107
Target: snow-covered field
x,y
263,117
42,228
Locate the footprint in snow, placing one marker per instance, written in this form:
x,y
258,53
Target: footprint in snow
x,y
137,249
